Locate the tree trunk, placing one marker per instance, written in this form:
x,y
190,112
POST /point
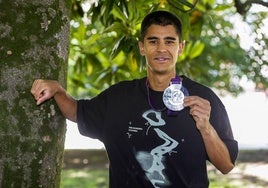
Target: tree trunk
x,y
34,38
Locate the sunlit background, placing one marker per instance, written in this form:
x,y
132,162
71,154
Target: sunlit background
x,y
248,112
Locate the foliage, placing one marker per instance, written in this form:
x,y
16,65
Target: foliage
x,y
103,48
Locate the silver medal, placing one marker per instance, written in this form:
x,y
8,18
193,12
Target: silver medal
x,y
173,97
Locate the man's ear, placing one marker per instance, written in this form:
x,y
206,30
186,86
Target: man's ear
x,y
141,47
181,47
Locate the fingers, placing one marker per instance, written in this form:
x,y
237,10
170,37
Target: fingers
x,y
41,91
199,107
43,97
34,89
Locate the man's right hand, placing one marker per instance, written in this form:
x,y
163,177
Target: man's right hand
x,y
43,90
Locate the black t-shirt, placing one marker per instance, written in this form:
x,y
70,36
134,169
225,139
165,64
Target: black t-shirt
x,y
146,147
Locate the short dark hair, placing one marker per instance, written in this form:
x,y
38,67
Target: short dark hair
x,y
162,18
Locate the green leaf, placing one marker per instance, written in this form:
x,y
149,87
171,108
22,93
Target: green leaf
x,y
196,49
117,12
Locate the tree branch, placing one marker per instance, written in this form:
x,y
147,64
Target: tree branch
x,y
242,8
263,3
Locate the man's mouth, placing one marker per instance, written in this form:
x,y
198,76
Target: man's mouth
x,y
162,59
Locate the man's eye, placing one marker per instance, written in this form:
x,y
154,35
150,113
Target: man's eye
x,y
169,42
152,41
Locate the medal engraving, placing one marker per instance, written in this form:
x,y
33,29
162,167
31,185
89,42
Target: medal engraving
x,y
173,97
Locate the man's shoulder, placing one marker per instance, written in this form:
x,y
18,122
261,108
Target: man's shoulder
x,y
126,87
127,84
192,84
199,89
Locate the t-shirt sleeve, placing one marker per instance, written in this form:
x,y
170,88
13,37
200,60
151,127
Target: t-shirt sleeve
x,y
221,123
91,116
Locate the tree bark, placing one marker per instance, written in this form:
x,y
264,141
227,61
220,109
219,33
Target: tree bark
x,y
34,40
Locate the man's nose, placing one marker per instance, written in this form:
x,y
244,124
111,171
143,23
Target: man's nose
x,y
161,47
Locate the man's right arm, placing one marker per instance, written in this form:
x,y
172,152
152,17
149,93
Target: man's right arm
x,y
43,90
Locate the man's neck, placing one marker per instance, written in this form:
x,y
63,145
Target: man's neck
x,y
160,82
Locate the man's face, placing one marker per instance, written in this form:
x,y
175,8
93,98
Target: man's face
x,y
161,48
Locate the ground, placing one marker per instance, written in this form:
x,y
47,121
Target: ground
x,y
251,169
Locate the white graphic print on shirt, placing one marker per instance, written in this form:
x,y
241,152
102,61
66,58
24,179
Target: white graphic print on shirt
x,y
153,162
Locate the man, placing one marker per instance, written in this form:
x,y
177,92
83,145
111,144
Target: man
x,y
160,130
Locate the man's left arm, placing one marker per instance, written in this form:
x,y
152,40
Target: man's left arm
x,y
217,151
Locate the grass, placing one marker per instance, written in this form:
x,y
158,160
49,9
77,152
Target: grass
x,y
84,178
88,169
98,178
